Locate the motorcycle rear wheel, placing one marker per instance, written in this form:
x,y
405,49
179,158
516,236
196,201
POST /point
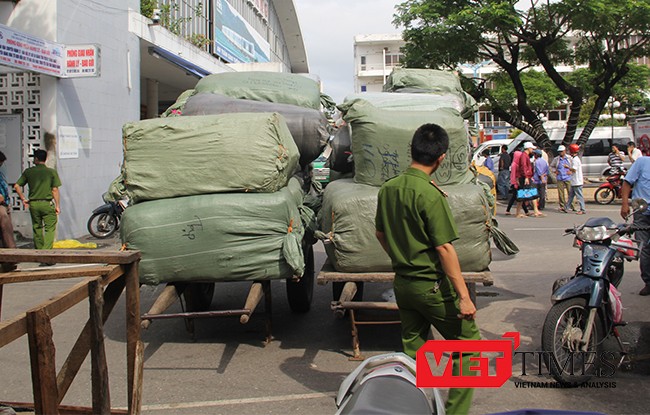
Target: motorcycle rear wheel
x,y
102,225
604,196
563,329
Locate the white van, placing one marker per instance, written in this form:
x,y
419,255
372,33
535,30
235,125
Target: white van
x,y
596,150
494,147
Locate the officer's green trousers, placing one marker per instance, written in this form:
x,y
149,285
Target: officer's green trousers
x,y
422,305
44,221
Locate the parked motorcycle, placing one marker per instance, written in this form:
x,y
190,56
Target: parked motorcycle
x,y
105,220
611,189
385,384
587,307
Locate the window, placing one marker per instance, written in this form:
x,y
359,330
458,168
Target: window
x,y
602,146
364,88
363,63
393,59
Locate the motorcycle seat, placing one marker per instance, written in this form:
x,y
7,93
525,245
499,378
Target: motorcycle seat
x,y
387,395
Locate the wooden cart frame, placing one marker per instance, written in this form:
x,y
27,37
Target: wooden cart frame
x,y
103,286
346,303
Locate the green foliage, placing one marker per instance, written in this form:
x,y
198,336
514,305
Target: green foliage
x,y
146,7
444,33
169,20
199,40
606,35
541,93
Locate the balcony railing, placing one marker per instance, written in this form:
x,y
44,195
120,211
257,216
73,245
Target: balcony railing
x,y
188,19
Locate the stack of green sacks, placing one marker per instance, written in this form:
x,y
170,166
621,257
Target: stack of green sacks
x,y
296,97
214,198
382,127
347,223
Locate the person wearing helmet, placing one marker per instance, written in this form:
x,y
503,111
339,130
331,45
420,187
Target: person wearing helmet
x,y
577,180
562,165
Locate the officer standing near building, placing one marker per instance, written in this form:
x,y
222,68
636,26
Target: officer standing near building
x,y
43,203
415,226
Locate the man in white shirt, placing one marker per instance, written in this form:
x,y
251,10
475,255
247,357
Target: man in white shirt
x,y
577,180
633,152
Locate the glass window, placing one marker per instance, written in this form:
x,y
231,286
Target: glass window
x,y
364,88
393,59
363,63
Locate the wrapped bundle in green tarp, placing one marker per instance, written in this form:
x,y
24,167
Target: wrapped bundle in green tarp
x,y
463,103
176,109
347,223
182,156
285,88
381,141
431,80
309,127
218,237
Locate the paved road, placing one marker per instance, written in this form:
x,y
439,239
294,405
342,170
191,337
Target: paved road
x,y
227,370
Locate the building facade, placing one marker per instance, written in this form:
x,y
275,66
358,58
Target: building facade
x,y
376,55
141,65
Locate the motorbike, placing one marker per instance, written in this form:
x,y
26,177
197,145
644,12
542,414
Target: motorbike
x,y
611,189
586,307
386,384
105,220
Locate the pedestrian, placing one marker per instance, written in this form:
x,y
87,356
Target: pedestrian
x,y
516,155
415,227
44,205
563,177
633,152
615,160
6,226
525,179
488,163
540,177
577,180
637,182
503,176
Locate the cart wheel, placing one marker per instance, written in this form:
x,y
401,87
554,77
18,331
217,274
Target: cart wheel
x,y
301,293
337,289
198,296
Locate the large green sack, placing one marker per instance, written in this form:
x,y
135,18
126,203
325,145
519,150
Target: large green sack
x,y
381,141
431,80
347,223
218,237
183,156
419,101
285,88
309,127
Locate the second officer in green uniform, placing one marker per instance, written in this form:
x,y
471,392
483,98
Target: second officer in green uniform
x,y
415,226
44,202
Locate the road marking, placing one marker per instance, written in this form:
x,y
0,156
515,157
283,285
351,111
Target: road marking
x,y
225,402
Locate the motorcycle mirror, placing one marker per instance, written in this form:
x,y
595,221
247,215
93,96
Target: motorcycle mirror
x,y
638,205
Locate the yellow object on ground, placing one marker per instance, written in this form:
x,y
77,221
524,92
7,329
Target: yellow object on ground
x,y
72,244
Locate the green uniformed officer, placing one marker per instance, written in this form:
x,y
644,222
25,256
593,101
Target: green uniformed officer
x,y
415,226
43,200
